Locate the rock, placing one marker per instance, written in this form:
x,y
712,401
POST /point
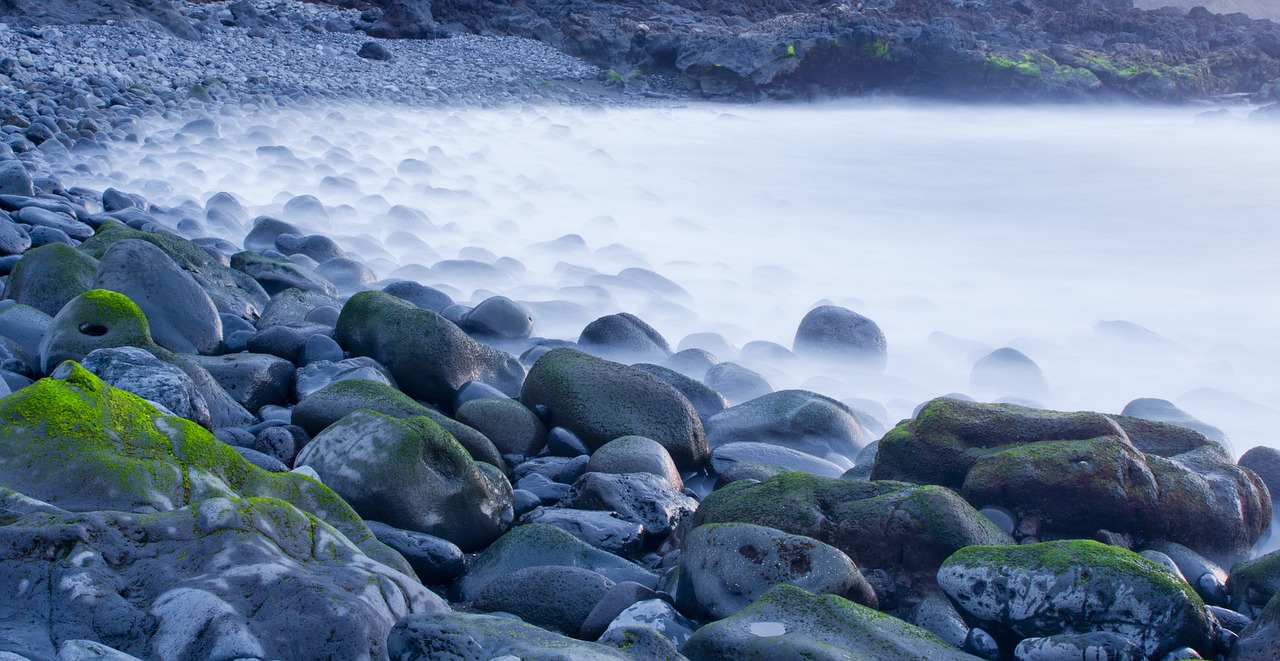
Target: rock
x,y
635,454
283,341
939,616
372,50
1163,410
1205,576
620,597
692,363
557,598
37,217
436,561
146,376
829,332
606,531
153,505
706,401
420,296
547,491
14,240
737,383
794,419
406,19
599,401
180,314
292,305
26,326
265,231
1253,583
1147,479
654,615
429,357
901,528
49,276
498,317
1264,462
319,375
348,275
278,443
625,338
789,623
341,398
316,246
642,498
511,427
468,636
253,380
321,348
411,474
1099,644
1008,372
1260,640
1077,587
14,180
537,545
276,275
725,457
726,566
232,291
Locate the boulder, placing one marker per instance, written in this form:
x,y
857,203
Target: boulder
x,y
790,623
498,317
555,597
511,427
1008,372
599,401
738,384
607,531
795,419
706,401
468,636
1252,583
48,276
318,375
726,566
635,454
829,332
254,380
275,275
411,474
429,357
642,498
152,379
1260,640
1077,587
436,561
293,305
625,338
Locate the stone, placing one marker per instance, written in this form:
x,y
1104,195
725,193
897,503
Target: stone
x,y
726,566
411,474
265,231
278,443
1163,410
316,246
829,332
254,380
14,180
1252,583
1262,460
790,623
498,317
180,314
939,616
656,615
1205,576
606,531
37,217
635,454
429,357
1260,640
25,325
436,561
511,427
642,498
472,636
372,50
725,457
320,348
275,275
292,305
146,376
556,598
316,376
599,401
794,419
624,338
1099,645
1008,372
705,400
1077,587
420,296
692,362
738,384
14,240
48,276
348,275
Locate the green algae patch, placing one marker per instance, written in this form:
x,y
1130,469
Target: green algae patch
x,y
790,623
76,443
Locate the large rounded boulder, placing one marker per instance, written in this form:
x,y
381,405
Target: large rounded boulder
x,y
830,332
181,315
411,474
795,419
429,357
49,276
599,401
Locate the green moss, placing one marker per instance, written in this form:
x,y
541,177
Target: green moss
x,y
791,50
878,49
1027,64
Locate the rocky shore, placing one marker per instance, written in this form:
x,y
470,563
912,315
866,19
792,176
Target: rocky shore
x,y
256,449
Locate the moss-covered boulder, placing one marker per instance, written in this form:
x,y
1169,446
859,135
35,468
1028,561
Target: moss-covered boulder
x,y
466,636
790,623
339,399
1077,473
233,292
904,529
50,275
1076,587
142,531
601,400
1261,639
429,357
1253,583
411,474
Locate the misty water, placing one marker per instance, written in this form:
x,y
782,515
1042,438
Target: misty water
x,y
957,229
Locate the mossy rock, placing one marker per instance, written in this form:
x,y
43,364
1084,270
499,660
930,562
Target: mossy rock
x,y
599,401
427,354
469,636
231,291
341,398
905,529
277,275
74,442
1260,640
790,623
1077,587
1254,583
411,474
49,276
1077,473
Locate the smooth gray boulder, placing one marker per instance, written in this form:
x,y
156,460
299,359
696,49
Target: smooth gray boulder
x,y
275,275
738,384
314,377
49,276
830,332
635,454
726,566
607,531
624,338
705,400
795,419
483,637
152,379
511,427
254,380
411,474
555,597
293,305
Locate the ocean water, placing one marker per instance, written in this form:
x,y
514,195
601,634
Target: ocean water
x,y
959,230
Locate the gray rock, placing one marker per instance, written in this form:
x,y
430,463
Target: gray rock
x,y
49,276
14,179
429,356
348,275
150,378
537,545
1069,647
320,348
420,296
620,597
276,275
705,400
1163,410
511,427
14,240
656,615
180,314
599,401
498,317
795,419
316,246
642,498
1008,372
468,636
1262,460
939,616
262,460
314,377
725,457
724,567
293,305
557,598
635,454
411,474
829,332
278,443
737,383
625,338
692,362
1077,587
1207,578
25,325
372,50
606,531
283,341
37,217
43,236
265,231
789,623
436,561
1260,640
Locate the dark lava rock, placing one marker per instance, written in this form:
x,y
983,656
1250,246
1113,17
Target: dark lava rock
x,y
470,636
642,498
554,597
372,50
794,419
829,332
436,561
150,378
635,454
511,427
181,315
607,531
